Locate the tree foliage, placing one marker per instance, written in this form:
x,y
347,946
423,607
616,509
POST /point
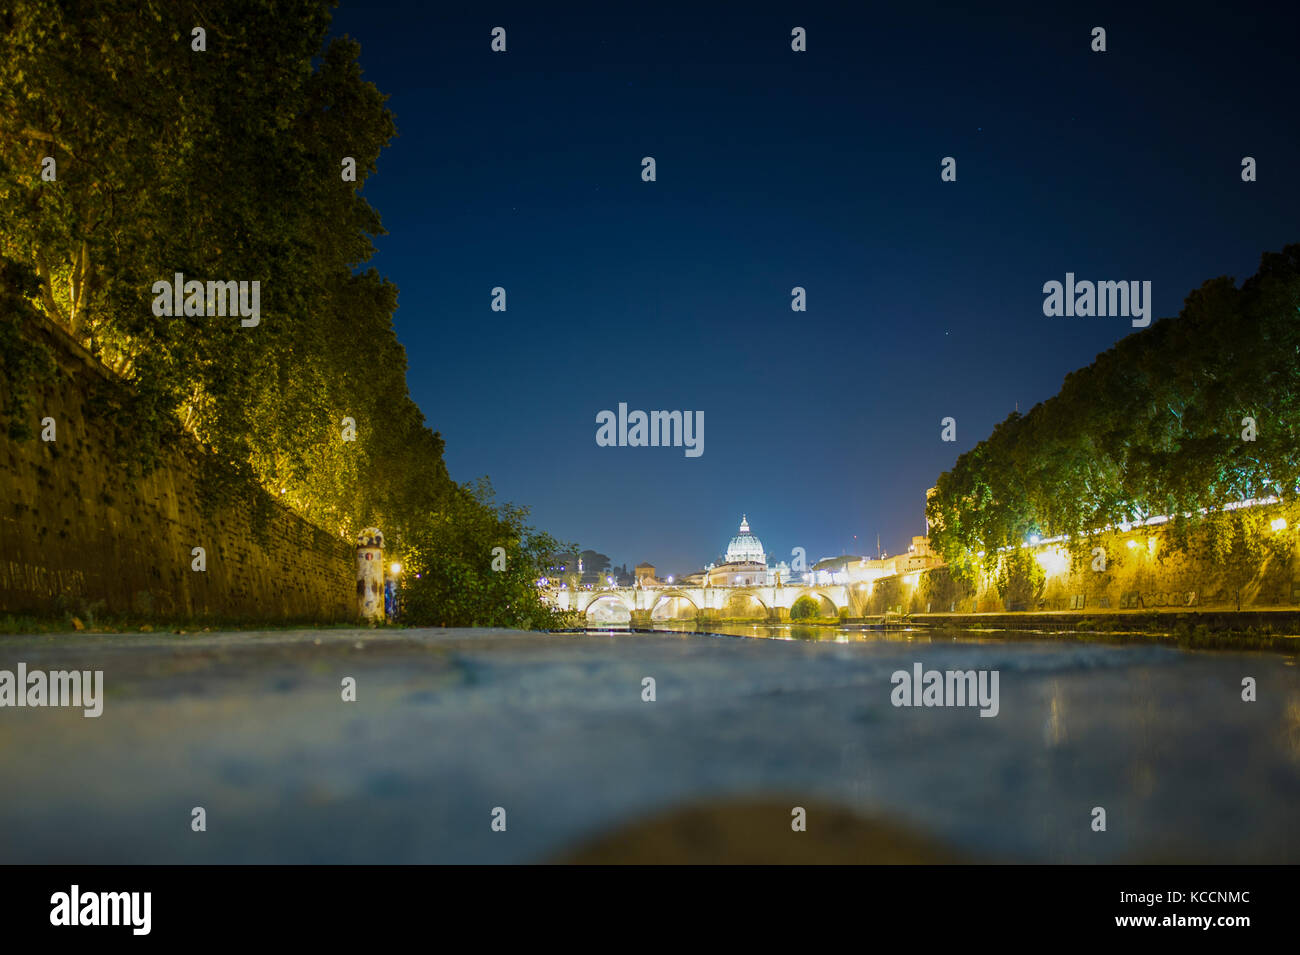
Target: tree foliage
x,y
1153,426
803,608
1020,579
462,579
225,165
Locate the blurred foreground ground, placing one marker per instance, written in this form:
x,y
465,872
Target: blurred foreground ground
x,y
449,725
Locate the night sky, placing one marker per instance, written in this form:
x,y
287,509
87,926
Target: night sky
x,y
776,169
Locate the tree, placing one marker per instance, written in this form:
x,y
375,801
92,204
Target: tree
x,y
1020,579
226,165
1153,426
803,608
454,575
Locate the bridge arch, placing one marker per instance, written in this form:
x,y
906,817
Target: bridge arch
x,y
736,593
823,599
614,604
593,595
823,603
670,595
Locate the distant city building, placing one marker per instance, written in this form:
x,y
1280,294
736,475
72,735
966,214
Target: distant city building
x,y
589,570
645,575
745,563
852,570
745,548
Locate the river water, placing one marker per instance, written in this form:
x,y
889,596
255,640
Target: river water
x,y
449,725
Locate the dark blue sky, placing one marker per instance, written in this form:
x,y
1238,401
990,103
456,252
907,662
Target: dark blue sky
x,y
777,169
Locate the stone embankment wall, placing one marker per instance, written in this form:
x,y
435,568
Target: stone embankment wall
x,y
77,532
1142,573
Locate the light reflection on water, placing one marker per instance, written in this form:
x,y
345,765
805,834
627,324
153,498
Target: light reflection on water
x,y
845,633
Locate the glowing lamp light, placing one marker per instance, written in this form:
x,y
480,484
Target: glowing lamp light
x,y
1278,524
1132,545
396,568
1054,561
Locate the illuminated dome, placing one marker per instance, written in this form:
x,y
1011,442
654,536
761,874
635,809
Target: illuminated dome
x,y
745,548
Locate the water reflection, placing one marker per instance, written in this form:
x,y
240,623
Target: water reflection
x,y
1054,733
1293,725
844,633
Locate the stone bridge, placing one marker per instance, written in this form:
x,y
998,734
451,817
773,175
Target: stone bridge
x,y
645,603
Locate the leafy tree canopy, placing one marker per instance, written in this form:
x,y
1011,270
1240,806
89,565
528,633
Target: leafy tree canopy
x,y
226,165
1153,426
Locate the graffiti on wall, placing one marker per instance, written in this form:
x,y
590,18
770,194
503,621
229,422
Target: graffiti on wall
x,y
42,581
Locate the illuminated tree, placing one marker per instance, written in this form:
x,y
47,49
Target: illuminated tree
x,y
1153,426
